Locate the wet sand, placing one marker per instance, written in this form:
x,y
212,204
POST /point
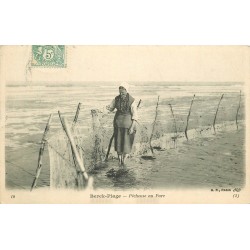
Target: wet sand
x,y
207,162
210,162
203,162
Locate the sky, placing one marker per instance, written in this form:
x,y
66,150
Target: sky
x,y
132,63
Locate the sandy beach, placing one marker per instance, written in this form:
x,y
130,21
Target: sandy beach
x,y
201,162
211,162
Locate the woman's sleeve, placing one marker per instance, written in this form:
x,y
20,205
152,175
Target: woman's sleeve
x,y
111,107
134,111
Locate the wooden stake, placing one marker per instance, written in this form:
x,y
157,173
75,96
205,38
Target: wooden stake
x,y
63,126
238,112
153,129
98,138
174,138
74,149
215,116
139,103
61,120
74,121
73,129
174,119
76,115
110,143
189,113
40,157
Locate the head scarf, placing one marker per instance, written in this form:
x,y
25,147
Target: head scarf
x,y
124,85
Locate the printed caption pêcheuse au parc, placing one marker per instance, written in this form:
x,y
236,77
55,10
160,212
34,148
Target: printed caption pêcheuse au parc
x,y
118,196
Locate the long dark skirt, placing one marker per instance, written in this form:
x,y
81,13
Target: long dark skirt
x,y
123,140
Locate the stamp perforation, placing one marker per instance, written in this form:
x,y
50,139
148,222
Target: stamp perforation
x,y
49,56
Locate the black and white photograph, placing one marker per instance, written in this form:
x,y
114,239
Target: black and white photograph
x,y
127,138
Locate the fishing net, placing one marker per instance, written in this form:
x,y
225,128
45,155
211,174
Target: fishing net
x,y
64,172
160,125
64,169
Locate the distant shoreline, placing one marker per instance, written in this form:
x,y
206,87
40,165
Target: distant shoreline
x,y
110,83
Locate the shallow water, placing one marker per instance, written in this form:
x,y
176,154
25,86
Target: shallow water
x,y
213,162
28,108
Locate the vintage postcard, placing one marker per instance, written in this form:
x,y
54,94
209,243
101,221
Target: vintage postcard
x,y
124,124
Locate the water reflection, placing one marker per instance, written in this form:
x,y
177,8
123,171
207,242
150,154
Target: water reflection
x,y
134,175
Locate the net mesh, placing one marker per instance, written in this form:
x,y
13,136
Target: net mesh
x,y
164,124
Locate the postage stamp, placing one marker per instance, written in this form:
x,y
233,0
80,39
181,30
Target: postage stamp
x,y
48,56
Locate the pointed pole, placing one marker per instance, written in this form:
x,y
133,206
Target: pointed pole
x,y
74,121
110,143
73,146
215,116
153,129
73,129
63,126
238,112
174,138
40,157
189,113
173,119
76,115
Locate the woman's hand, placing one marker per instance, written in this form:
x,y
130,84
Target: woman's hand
x,y
132,128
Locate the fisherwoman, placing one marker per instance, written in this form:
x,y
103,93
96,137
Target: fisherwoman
x,y
124,122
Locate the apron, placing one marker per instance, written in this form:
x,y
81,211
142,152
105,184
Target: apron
x,y
123,117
